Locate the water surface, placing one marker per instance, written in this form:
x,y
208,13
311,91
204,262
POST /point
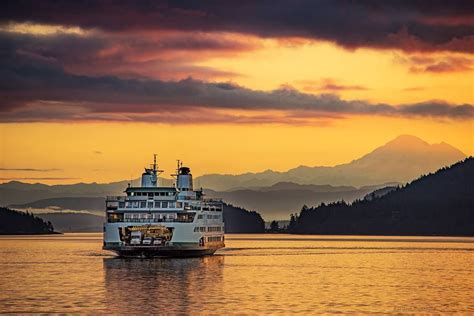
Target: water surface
x,y
254,274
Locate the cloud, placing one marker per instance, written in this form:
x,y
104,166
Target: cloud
x,y
170,55
329,84
46,178
37,86
406,25
34,90
29,169
443,64
450,65
414,89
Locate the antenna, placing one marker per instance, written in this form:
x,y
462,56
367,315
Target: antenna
x,y
154,162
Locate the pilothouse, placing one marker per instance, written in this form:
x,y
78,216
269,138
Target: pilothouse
x,y
153,220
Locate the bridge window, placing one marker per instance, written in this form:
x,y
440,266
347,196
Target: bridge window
x,y
114,217
214,238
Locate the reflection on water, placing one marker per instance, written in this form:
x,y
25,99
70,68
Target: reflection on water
x,y
255,274
167,285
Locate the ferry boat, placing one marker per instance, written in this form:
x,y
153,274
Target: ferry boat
x,y
163,221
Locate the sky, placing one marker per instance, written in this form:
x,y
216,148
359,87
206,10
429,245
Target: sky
x,y
89,91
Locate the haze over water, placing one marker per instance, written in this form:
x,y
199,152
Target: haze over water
x,y
254,274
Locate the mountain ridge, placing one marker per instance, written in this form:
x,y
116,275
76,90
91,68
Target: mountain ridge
x,y
399,160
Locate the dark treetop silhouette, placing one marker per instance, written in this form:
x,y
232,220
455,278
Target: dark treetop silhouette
x,y
239,220
435,204
15,222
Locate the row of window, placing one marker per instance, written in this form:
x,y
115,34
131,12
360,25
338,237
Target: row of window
x,y
165,204
209,216
215,238
215,209
206,208
150,217
214,228
152,194
209,229
151,204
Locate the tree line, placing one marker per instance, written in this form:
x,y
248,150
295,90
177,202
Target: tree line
x,y
441,203
16,222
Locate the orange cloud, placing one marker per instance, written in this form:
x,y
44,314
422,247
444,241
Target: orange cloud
x,y
440,64
328,84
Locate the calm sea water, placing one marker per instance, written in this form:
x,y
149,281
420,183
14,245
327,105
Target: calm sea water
x,y
255,274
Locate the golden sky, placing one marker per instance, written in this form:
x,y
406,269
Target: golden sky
x,y
88,101
105,152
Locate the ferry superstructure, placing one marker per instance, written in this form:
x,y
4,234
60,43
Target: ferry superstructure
x,y
153,220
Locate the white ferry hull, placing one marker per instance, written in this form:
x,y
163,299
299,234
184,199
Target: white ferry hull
x,y
183,241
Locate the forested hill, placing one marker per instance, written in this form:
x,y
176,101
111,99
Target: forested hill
x,y
17,223
239,220
436,204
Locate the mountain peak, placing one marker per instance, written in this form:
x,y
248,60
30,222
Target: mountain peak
x,y
407,141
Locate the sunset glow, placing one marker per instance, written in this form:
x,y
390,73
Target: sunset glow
x,y
90,100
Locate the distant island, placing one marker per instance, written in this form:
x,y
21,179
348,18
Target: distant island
x,y
240,221
20,223
436,204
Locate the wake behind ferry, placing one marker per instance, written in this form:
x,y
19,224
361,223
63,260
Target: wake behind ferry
x,y
159,221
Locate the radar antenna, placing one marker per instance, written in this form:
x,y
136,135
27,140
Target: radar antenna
x,y
154,162
154,166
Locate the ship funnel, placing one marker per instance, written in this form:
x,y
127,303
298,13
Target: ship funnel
x,y
185,179
149,178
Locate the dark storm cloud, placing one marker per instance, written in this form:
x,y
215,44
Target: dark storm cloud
x,y
408,25
34,89
163,55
